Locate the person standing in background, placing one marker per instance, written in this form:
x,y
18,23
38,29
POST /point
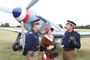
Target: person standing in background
x,y
71,40
47,44
32,41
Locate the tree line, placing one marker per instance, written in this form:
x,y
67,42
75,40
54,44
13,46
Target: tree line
x,y
83,27
7,25
76,27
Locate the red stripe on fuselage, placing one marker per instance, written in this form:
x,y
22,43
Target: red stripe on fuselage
x,y
27,16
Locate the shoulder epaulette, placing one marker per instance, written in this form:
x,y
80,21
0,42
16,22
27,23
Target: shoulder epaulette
x,y
30,32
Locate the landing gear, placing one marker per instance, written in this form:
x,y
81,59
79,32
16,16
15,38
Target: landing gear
x,y
16,46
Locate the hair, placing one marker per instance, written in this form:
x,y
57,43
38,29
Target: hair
x,y
32,25
46,32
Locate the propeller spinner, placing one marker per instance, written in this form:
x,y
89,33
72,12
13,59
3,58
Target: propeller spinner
x,y
20,14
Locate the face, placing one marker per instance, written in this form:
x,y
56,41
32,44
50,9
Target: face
x,y
68,27
37,27
49,31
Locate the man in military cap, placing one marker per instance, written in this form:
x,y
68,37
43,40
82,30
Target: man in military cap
x,y
32,42
71,40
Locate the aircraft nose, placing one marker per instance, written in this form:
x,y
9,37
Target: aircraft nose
x,y
20,14
16,12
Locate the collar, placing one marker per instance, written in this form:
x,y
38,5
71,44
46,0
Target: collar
x,y
51,39
33,31
71,31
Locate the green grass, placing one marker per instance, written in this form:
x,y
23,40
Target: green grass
x,y
7,38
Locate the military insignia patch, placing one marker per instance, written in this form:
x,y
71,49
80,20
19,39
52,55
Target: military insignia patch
x,y
30,32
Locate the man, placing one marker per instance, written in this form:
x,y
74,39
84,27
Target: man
x,y
32,42
71,40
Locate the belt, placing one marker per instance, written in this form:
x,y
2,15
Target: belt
x,y
35,48
66,49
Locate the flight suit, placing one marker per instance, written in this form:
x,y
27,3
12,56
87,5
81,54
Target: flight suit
x,y
31,45
69,52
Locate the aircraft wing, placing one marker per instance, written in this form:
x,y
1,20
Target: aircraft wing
x,y
84,34
17,31
61,34
56,34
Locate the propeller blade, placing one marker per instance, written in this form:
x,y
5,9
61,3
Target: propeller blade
x,y
23,35
32,3
5,10
40,17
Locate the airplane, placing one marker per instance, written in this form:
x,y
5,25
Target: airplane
x,y
24,16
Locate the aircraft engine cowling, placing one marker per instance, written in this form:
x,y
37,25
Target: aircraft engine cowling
x,y
21,14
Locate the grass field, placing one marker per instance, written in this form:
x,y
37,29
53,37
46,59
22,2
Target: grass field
x,y
7,38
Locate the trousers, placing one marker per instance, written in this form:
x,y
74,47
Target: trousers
x,y
69,55
29,57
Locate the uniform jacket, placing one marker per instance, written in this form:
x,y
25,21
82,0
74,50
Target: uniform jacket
x,y
66,38
45,42
31,40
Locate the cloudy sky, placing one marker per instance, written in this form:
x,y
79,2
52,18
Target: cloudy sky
x,y
57,11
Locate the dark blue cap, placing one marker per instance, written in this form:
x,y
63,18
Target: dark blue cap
x,y
71,22
36,21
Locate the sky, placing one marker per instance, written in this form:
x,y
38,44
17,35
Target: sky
x,y
57,11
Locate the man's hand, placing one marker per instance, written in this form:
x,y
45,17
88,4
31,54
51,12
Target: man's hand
x,y
62,46
73,40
